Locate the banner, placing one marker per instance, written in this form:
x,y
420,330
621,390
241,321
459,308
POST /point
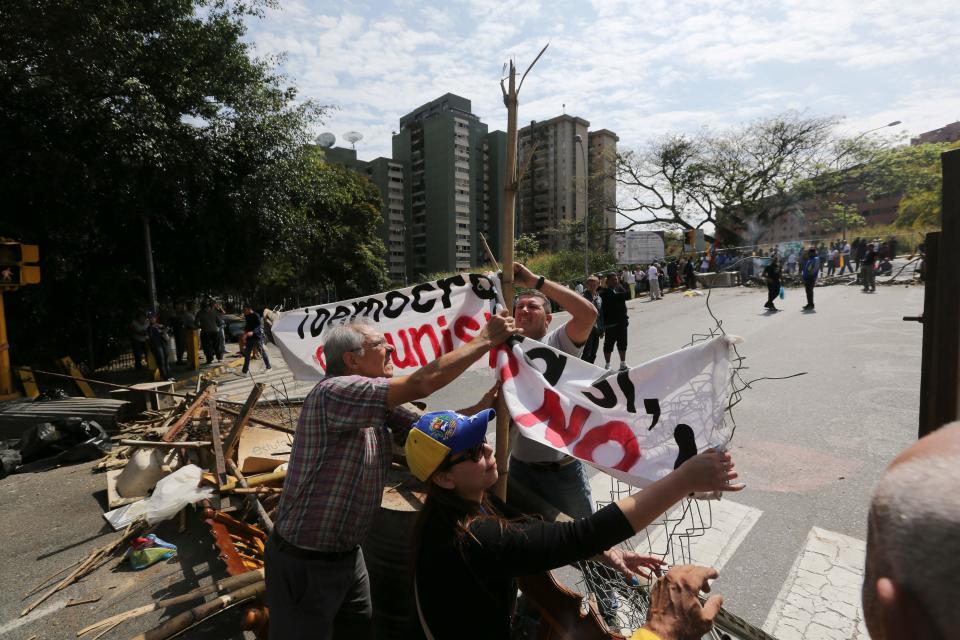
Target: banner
x,y
421,322
636,425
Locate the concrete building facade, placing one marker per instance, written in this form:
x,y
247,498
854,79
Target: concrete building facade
x,y
602,165
451,158
571,174
554,188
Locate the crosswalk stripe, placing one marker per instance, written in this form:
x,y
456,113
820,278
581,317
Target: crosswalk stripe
x,y
705,532
820,600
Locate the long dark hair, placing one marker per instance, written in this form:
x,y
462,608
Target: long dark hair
x,y
455,513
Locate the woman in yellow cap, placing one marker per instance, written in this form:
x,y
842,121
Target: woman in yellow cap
x,y
467,554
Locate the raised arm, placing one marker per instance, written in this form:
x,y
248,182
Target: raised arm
x,y
583,313
449,366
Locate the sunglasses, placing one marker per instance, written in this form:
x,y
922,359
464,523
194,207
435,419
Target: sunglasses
x,y
474,454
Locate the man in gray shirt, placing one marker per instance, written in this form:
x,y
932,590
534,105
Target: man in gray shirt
x,y
555,476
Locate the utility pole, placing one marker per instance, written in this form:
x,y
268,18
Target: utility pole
x,y
148,251
511,100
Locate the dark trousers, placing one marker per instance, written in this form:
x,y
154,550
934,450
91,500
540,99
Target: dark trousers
x,y
614,335
590,348
869,277
808,286
773,290
317,598
253,344
180,343
210,343
139,353
159,351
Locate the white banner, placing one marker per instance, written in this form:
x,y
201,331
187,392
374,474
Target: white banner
x,y
421,322
637,425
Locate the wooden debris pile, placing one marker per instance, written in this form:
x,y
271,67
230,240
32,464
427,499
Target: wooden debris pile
x,y
243,453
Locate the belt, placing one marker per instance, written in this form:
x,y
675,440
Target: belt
x,y
308,554
549,466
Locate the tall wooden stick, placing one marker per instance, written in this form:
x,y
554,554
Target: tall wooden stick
x,y
511,185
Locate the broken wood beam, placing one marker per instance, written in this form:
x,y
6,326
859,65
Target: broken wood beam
x,y
265,519
232,438
181,422
260,421
199,444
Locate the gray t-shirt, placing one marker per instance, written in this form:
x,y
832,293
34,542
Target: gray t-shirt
x,y
524,448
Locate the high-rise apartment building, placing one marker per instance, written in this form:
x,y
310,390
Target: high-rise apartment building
x,y
390,177
554,187
452,160
602,159
571,172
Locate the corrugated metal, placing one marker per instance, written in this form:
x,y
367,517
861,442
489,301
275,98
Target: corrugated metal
x,y
17,415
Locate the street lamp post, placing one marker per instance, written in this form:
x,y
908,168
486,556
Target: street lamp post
x,y
586,211
860,135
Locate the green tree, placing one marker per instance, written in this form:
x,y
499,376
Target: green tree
x,y
124,116
840,216
738,180
525,247
913,171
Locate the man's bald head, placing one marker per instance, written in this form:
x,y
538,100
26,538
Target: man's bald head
x,y
913,542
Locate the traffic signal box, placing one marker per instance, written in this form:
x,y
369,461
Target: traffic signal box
x,y
15,265
17,268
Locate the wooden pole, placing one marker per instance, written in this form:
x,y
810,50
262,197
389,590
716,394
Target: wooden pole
x,y
511,99
940,370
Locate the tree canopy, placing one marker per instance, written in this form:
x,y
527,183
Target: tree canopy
x,y
750,174
125,116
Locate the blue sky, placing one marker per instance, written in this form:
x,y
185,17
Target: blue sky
x,y
641,69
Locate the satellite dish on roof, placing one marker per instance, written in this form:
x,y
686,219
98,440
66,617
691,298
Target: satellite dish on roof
x,y
326,140
353,137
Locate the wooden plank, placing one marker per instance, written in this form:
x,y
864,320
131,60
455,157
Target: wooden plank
x,y
230,442
941,312
29,384
182,421
74,371
221,468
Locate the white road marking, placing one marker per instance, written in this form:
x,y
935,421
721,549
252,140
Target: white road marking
x,y
820,600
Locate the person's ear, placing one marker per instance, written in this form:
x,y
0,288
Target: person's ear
x,y
902,615
443,479
350,360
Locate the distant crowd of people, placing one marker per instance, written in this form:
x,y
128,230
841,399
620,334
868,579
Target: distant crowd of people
x,y
150,332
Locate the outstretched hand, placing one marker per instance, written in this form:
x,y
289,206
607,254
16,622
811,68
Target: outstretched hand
x,y
632,564
675,611
712,470
499,328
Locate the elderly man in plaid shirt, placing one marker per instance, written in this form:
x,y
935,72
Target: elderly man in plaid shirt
x,y
317,584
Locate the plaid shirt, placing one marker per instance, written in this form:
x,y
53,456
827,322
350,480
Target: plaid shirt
x,y
340,457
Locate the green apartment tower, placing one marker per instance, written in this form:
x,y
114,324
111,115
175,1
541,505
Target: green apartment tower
x,y
455,187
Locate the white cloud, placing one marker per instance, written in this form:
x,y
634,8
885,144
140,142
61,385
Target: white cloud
x,y
640,69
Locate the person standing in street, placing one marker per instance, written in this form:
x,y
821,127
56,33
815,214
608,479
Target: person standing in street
x,y
630,282
771,273
653,276
592,345
157,339
811,269
689,275
138,338
317,585
867,270
253,330
845,263
209,322
615,320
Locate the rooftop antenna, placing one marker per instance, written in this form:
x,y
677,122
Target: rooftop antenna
x,y
353,137
326,140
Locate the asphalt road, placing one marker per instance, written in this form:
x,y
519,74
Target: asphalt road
x,y
809,448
